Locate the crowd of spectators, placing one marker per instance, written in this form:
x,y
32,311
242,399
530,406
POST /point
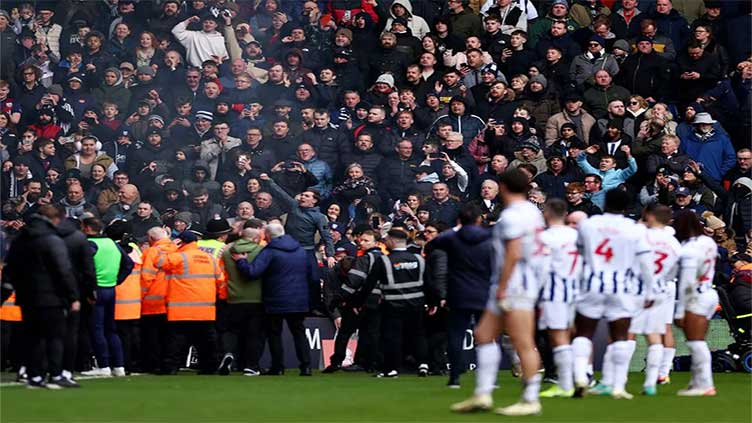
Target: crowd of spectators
x,y
376,112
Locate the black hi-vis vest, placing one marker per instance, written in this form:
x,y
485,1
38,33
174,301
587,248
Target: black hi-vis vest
x,y
402,282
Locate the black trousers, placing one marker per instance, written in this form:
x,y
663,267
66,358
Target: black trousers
x,y
13,339
397,322
436,335
459,321
45,328
221,322
245,336
128,331
200,334
71,343
153,339
368,323
274,337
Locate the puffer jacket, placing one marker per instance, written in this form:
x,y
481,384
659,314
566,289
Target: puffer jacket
x,y
53,282
286,275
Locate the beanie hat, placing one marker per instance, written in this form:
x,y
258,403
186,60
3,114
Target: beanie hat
x,y
345,32
386,79
561,2
203,114
598,39
622,45
531,143
539,79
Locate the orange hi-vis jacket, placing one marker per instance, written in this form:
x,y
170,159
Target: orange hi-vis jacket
x,y
128,293
192,280
153,281
9,311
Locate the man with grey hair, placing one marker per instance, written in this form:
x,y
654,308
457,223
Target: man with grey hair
x,y
287,275
245,332
488,202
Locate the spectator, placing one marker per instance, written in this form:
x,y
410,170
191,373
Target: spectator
x,y
708,146
201,45
596,58
286,275
573,113
602,93
669,156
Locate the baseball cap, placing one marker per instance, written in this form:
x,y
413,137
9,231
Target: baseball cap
x,y
682,191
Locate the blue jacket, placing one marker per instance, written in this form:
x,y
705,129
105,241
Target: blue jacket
x,y
285,271
321,170
716,153
612,178
470,252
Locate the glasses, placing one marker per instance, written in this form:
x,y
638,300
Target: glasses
x,y
594,45
633,103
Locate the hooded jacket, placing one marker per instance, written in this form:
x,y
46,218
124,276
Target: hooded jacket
x,y
470,252
468,125
286,275
416,24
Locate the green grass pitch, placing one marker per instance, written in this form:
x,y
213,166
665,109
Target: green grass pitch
x,y
349,398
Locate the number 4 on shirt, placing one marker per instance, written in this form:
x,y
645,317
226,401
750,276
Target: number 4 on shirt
x,y
605,250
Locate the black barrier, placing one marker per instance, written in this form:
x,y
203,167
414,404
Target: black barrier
x,y
320,329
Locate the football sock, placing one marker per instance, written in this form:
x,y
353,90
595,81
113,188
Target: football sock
x,y
582,347
489,357
667,362
564,357
655,353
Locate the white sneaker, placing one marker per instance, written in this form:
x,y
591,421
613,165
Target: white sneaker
x,y
472,404
118,371
697,392
98,372
621,394
250,372
521,408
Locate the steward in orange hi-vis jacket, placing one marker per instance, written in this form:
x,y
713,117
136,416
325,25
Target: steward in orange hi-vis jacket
x,y
153,302
192,278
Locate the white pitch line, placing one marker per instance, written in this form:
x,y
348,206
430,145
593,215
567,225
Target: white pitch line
x,y
12,384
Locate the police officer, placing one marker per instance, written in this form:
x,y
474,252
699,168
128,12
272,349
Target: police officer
x,y
400,278
214,242
360,310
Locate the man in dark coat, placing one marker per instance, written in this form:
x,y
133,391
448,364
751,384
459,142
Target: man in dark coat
x,y
45,296
286,274
469,250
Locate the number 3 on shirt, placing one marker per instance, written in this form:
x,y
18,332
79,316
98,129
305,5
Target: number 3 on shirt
x,y
605,250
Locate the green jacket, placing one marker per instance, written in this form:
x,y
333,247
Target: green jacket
x,y
241,290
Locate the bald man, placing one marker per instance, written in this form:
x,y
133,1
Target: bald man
x,y
125,208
